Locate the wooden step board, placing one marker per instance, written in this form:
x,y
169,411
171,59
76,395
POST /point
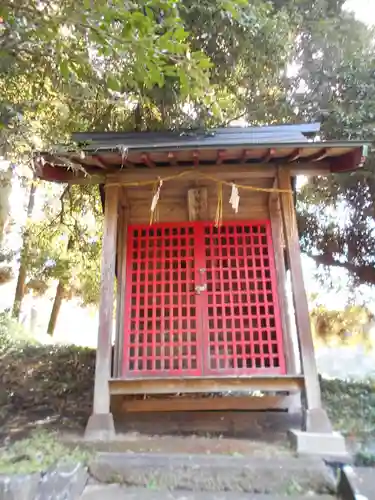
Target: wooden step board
x,y
244,403
205,385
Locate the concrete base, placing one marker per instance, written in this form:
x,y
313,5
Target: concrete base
x,y
100,427
295,405
330,446
316,420
117,491
270,475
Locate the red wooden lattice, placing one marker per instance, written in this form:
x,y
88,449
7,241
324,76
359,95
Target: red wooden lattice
x,y
242,321
201,301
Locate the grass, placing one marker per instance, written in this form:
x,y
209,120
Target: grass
x,y
58,381
13,336
37,453
351,406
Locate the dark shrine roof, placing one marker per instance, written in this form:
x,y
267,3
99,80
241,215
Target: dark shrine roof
x,y
102,153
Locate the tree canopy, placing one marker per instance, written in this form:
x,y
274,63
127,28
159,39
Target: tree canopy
x,y
337,213
154,64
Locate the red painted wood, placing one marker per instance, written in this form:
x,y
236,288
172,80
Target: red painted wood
x,y
232,327
161,323
242,323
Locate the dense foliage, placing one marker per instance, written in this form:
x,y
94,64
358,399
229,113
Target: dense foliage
x,y
337,213
55,383
349,326
151,64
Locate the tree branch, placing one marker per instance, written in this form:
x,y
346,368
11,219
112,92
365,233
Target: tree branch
x,y
365,273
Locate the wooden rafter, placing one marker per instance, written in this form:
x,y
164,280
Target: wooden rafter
x,y
196,158
172,158
319,155
100,163
220,156
244,155
268,156
128,164
147,160
294,155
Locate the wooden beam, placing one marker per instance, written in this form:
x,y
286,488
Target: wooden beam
x,y
246,403
243,170
319,421
219,384
198,204
225,172
278,250
104,349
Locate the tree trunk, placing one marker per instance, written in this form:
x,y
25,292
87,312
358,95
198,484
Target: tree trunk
x,y
5,192
56,308
22,273
58,297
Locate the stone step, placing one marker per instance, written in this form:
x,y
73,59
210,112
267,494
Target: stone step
x,y
214,473
357,482
118,492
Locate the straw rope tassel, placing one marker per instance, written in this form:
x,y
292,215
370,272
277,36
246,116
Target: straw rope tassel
x,y
219,208
154,212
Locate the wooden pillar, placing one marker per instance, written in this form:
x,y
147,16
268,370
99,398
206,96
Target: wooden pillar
x,y
316,418
121,283
100,425
277,240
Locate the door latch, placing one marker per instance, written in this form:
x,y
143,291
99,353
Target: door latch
x,y
200,288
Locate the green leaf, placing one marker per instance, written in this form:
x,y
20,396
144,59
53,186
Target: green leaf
x,y
65,69
113,83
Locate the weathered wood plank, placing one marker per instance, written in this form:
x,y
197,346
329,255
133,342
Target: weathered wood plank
x,y
207,404
119,258
225,172
198,204
312,388
277,241
121,286
172,386
58,174
103,352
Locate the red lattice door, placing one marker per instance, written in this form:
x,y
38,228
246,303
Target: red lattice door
x,y
242,327
201,301
162,336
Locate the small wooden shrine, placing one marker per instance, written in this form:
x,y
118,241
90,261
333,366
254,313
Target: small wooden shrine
x,y
200,232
